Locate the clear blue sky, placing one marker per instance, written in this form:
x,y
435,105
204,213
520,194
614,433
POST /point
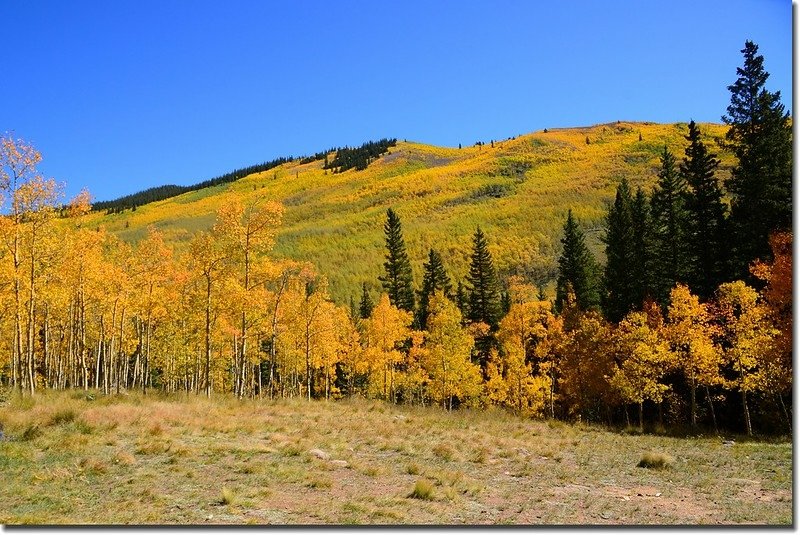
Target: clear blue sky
x,y
120,96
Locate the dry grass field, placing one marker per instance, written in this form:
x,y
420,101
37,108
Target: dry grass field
x,y
79,458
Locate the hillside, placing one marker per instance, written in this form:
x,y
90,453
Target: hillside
x,y
518,191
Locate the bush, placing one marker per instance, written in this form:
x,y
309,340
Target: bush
x,y
63,416
655,460
423,490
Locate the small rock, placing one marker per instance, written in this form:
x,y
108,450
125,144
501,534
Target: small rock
x,y
209,517
606,515
319,454
728,442
340,462
657,494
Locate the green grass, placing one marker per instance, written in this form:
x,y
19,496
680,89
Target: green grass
x,y
189,460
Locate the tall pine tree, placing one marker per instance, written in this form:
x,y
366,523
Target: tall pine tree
x,y
760,186
705,224
483,292
641,269
669,224
397,280
576,268
619,295
434,279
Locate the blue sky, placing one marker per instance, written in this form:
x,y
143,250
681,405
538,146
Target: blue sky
x,y
120,96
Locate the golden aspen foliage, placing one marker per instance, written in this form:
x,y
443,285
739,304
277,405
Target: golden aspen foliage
x,y
747,335
646,359
386,328
584,363
521,332
412,378
452,374
691,331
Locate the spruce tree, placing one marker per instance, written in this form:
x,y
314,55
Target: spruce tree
x,y
366,305
641,269
434,279
669,224
461,299
619,295
760,186
397,280
705,217
576,268
483,296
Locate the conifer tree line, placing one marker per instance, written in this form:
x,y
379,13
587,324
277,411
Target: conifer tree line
x,y
344,158
677,327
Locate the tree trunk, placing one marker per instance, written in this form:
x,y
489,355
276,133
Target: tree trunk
x,y
713,414
747,423
641,416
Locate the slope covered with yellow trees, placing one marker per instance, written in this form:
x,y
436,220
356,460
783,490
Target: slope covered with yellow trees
x,y
517,190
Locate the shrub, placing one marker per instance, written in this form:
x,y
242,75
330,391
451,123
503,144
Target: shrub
x,y
413,469
658,461
228,497
31,432
63,416
423,490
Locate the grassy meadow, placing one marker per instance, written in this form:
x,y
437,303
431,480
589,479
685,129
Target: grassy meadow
x,y
79,457
518,191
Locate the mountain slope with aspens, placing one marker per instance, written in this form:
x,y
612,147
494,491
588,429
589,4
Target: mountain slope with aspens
x,y
517,190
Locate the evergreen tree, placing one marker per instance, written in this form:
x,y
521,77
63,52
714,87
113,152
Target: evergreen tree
x,y
398,280
761,184
705,217
669,224
354,315
366,305
483,296
434,279
505,302
461,299
641,269
576,268
619,296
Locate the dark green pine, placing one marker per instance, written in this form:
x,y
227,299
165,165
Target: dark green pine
x,y
641,269
576,268
669,223
483,296
366,305
434,279
705,229
619,296
397,280
760,186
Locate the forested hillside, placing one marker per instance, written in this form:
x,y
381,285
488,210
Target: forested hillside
x,y
518,190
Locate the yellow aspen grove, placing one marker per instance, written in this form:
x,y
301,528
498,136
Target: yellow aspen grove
x,y
521,331
208,261
18,161
385,329
412,378
453,376
690,331
150,273
584,363
747,335
646,359
248,232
